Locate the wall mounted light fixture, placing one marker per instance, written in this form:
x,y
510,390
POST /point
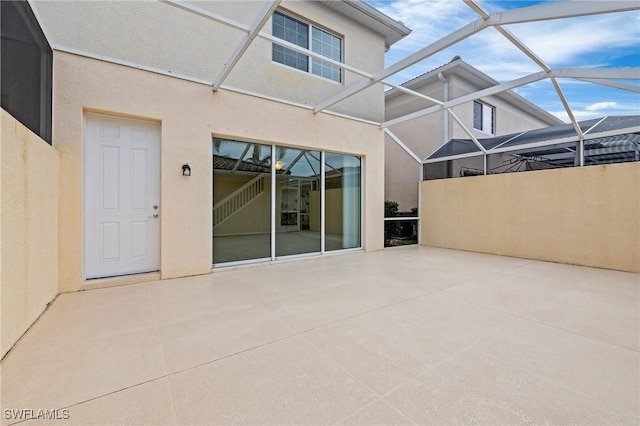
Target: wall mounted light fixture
x,y
186,170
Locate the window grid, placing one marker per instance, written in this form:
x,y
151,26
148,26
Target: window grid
x,y
302,34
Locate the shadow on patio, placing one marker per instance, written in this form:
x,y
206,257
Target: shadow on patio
x,y
406,335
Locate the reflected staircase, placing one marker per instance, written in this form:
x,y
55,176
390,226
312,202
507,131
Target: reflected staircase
x,y
234,202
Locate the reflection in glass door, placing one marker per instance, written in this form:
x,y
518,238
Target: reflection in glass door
x,y
297,177
271,201
343,201
241,201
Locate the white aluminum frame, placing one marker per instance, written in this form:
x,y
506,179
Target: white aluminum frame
x,y
556,10
323,227
402,145
540,144
528,52
263,16
497,20
514,16
273,202
562,140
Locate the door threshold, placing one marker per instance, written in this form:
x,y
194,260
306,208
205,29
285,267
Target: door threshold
x,y
119,280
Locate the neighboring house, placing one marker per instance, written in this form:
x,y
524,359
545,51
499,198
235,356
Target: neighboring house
x,y
499,114
149,173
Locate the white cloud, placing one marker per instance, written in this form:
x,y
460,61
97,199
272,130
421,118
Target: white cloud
x,y
598,110
593,41
578,114
429,20
602,105
566,42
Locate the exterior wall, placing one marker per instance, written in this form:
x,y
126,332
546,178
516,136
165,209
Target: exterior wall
x,y
422,135
584,215
28,229
189,113
509,117
157,35
425,134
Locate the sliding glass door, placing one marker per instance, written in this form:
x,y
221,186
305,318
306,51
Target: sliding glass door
x,y
272,201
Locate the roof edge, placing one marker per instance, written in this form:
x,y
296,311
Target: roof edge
x,y
456,64
395,30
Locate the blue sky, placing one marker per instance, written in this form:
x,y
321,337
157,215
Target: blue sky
x,y
605,41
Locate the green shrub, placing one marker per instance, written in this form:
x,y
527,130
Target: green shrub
x,y
391,228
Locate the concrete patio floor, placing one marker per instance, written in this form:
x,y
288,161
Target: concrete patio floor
x,y
412,335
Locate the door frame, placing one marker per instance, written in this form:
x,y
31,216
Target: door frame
x,y
86,113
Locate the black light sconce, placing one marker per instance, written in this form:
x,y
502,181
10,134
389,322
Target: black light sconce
x,y
186,170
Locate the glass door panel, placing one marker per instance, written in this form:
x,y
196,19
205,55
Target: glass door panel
x,y
241,201
343,201
297,201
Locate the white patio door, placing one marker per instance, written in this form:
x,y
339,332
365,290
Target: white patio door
x,y
121,196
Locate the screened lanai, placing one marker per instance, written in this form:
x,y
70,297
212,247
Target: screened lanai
x,y
357,80
606,140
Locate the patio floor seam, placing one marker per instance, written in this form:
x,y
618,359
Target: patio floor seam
x,y
296,334
374,338
541,323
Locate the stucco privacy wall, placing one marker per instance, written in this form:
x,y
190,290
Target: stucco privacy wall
x,y
189,114
584,215
28,228
157,35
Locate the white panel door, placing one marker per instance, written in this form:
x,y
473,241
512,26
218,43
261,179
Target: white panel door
x,y
121,196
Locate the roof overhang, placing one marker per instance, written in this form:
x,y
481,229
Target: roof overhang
x,y
372,18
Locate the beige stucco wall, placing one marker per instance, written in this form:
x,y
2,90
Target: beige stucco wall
x,y
422,136
189,114
154,34
510,118
28,228
584,216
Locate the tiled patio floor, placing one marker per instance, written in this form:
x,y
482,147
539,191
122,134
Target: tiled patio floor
x,y
409,335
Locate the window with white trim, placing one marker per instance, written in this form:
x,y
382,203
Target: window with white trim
x,y
309,37
484,117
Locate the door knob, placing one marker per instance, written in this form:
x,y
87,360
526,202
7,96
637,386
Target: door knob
x,y
155,216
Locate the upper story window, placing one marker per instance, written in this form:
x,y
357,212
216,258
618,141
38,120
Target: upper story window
x,y
310,37
484,117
